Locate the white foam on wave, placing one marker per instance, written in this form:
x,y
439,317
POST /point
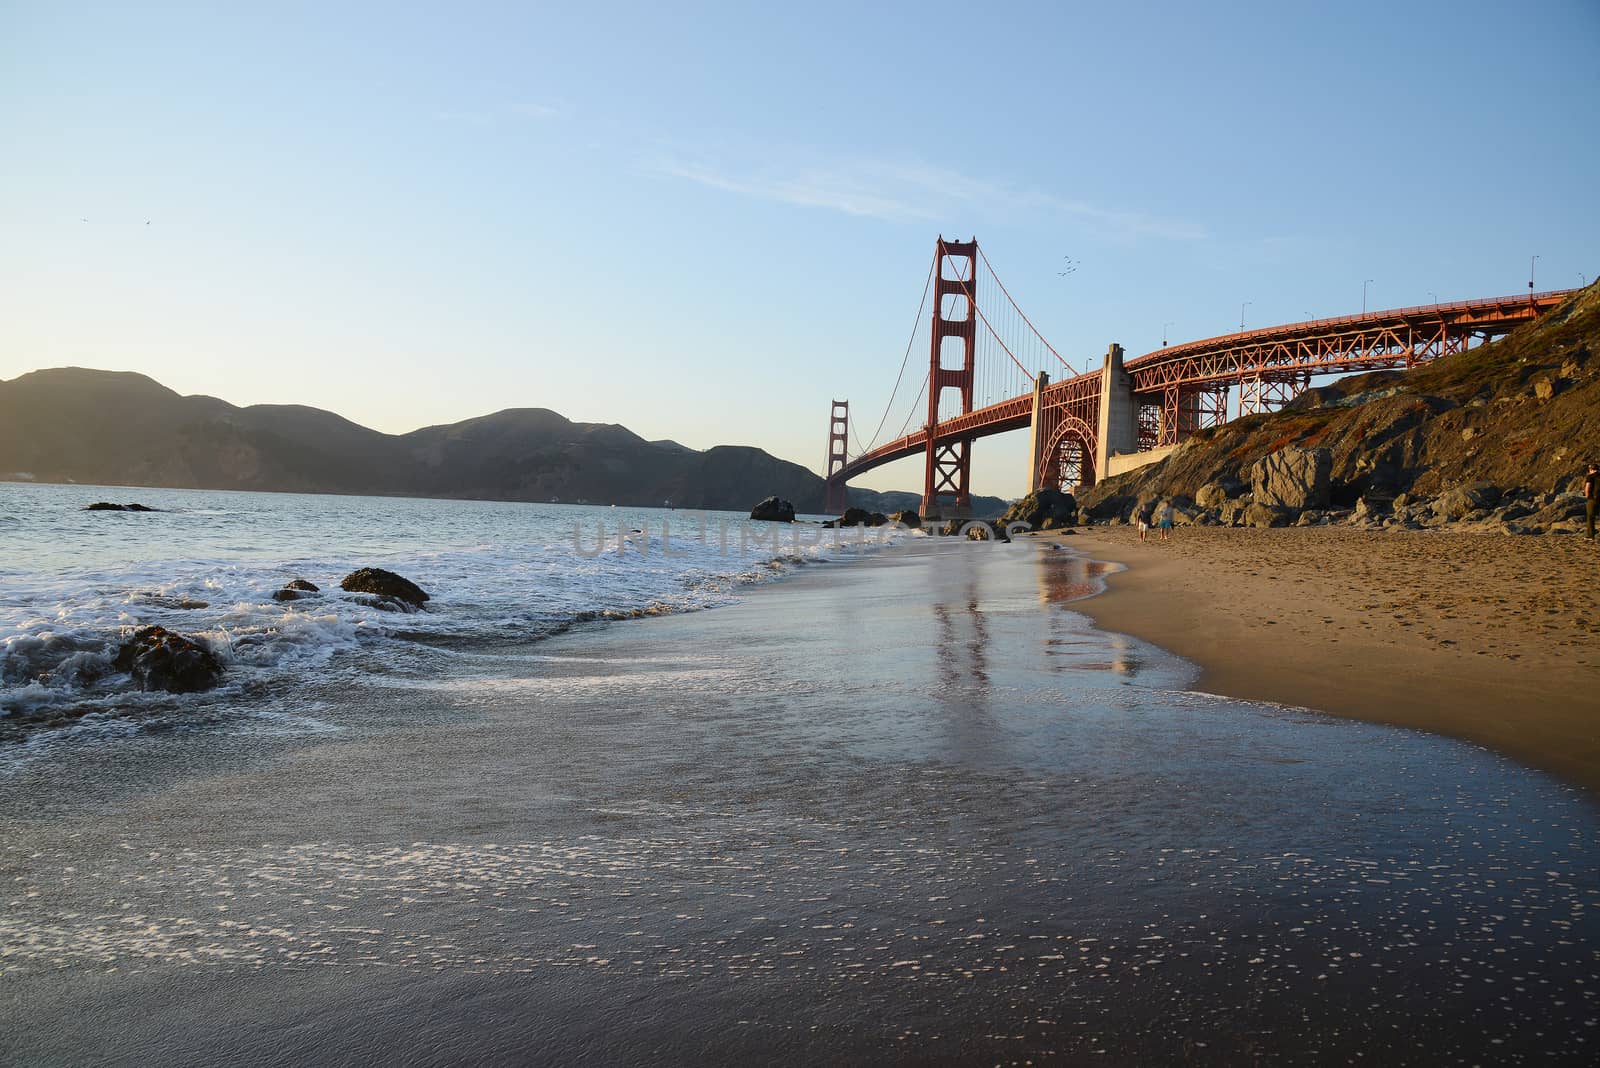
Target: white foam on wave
x,y
60,627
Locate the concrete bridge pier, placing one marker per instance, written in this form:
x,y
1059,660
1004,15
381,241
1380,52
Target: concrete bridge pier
x,y
1036,435
1118,429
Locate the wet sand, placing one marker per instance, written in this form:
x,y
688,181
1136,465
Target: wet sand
x,y
917,810
1490,639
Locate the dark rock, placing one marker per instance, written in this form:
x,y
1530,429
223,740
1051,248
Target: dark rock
x,y
773,510
1040,505
161,660
1564,508
1112,506
858,517
294,590
384,584
907,518
107,506
139,508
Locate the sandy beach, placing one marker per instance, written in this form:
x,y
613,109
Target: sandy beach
x,y
1493,640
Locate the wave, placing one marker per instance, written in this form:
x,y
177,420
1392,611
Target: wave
x,y
60,630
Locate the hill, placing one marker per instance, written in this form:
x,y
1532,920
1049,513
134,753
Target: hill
x,y
72,424
1497,435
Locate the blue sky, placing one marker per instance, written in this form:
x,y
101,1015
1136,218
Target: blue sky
x,y
707,221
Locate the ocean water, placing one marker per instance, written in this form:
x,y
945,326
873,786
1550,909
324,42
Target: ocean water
x,y
75,583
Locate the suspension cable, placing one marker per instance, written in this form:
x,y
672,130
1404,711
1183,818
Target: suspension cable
x,y
1022,313
916,327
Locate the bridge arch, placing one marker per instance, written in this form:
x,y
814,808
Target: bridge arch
x,y
1068,455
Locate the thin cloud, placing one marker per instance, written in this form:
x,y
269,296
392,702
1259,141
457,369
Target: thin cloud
x,y
900,191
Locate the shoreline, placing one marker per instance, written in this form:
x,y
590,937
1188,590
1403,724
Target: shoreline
x,y
1492,641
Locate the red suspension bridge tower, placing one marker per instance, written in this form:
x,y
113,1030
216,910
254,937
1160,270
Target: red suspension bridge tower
x,y
836,496
952,357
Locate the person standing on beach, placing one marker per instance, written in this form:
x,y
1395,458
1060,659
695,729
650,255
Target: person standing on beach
x,y
1591,497
1164,519
1143,519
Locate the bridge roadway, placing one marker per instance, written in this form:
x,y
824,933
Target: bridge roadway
x,y
1174,390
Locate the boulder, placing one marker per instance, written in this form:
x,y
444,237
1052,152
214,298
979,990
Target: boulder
x,y
1372,507
385,585
773,510
986,530
1232,513
1040,505
107,506
1293,478
1213,494
294,590
907,518
161,660
1462,501
857,517
1566,508
1257,514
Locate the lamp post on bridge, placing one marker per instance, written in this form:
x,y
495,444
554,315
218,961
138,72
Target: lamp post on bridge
x,y
1364,286
1164,334
1530,273
1435,297
1242,307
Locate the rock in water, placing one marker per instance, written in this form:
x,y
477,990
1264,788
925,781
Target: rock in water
x,y
295,589
1292,478
107,506
773,510
1061,509
858,517
385,584
161,660
907,518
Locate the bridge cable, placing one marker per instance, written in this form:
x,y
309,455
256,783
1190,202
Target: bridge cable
x,y
1022,313
905,427
915,329
968,289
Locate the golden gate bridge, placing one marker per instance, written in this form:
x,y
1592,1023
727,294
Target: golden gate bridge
x,y
990,371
